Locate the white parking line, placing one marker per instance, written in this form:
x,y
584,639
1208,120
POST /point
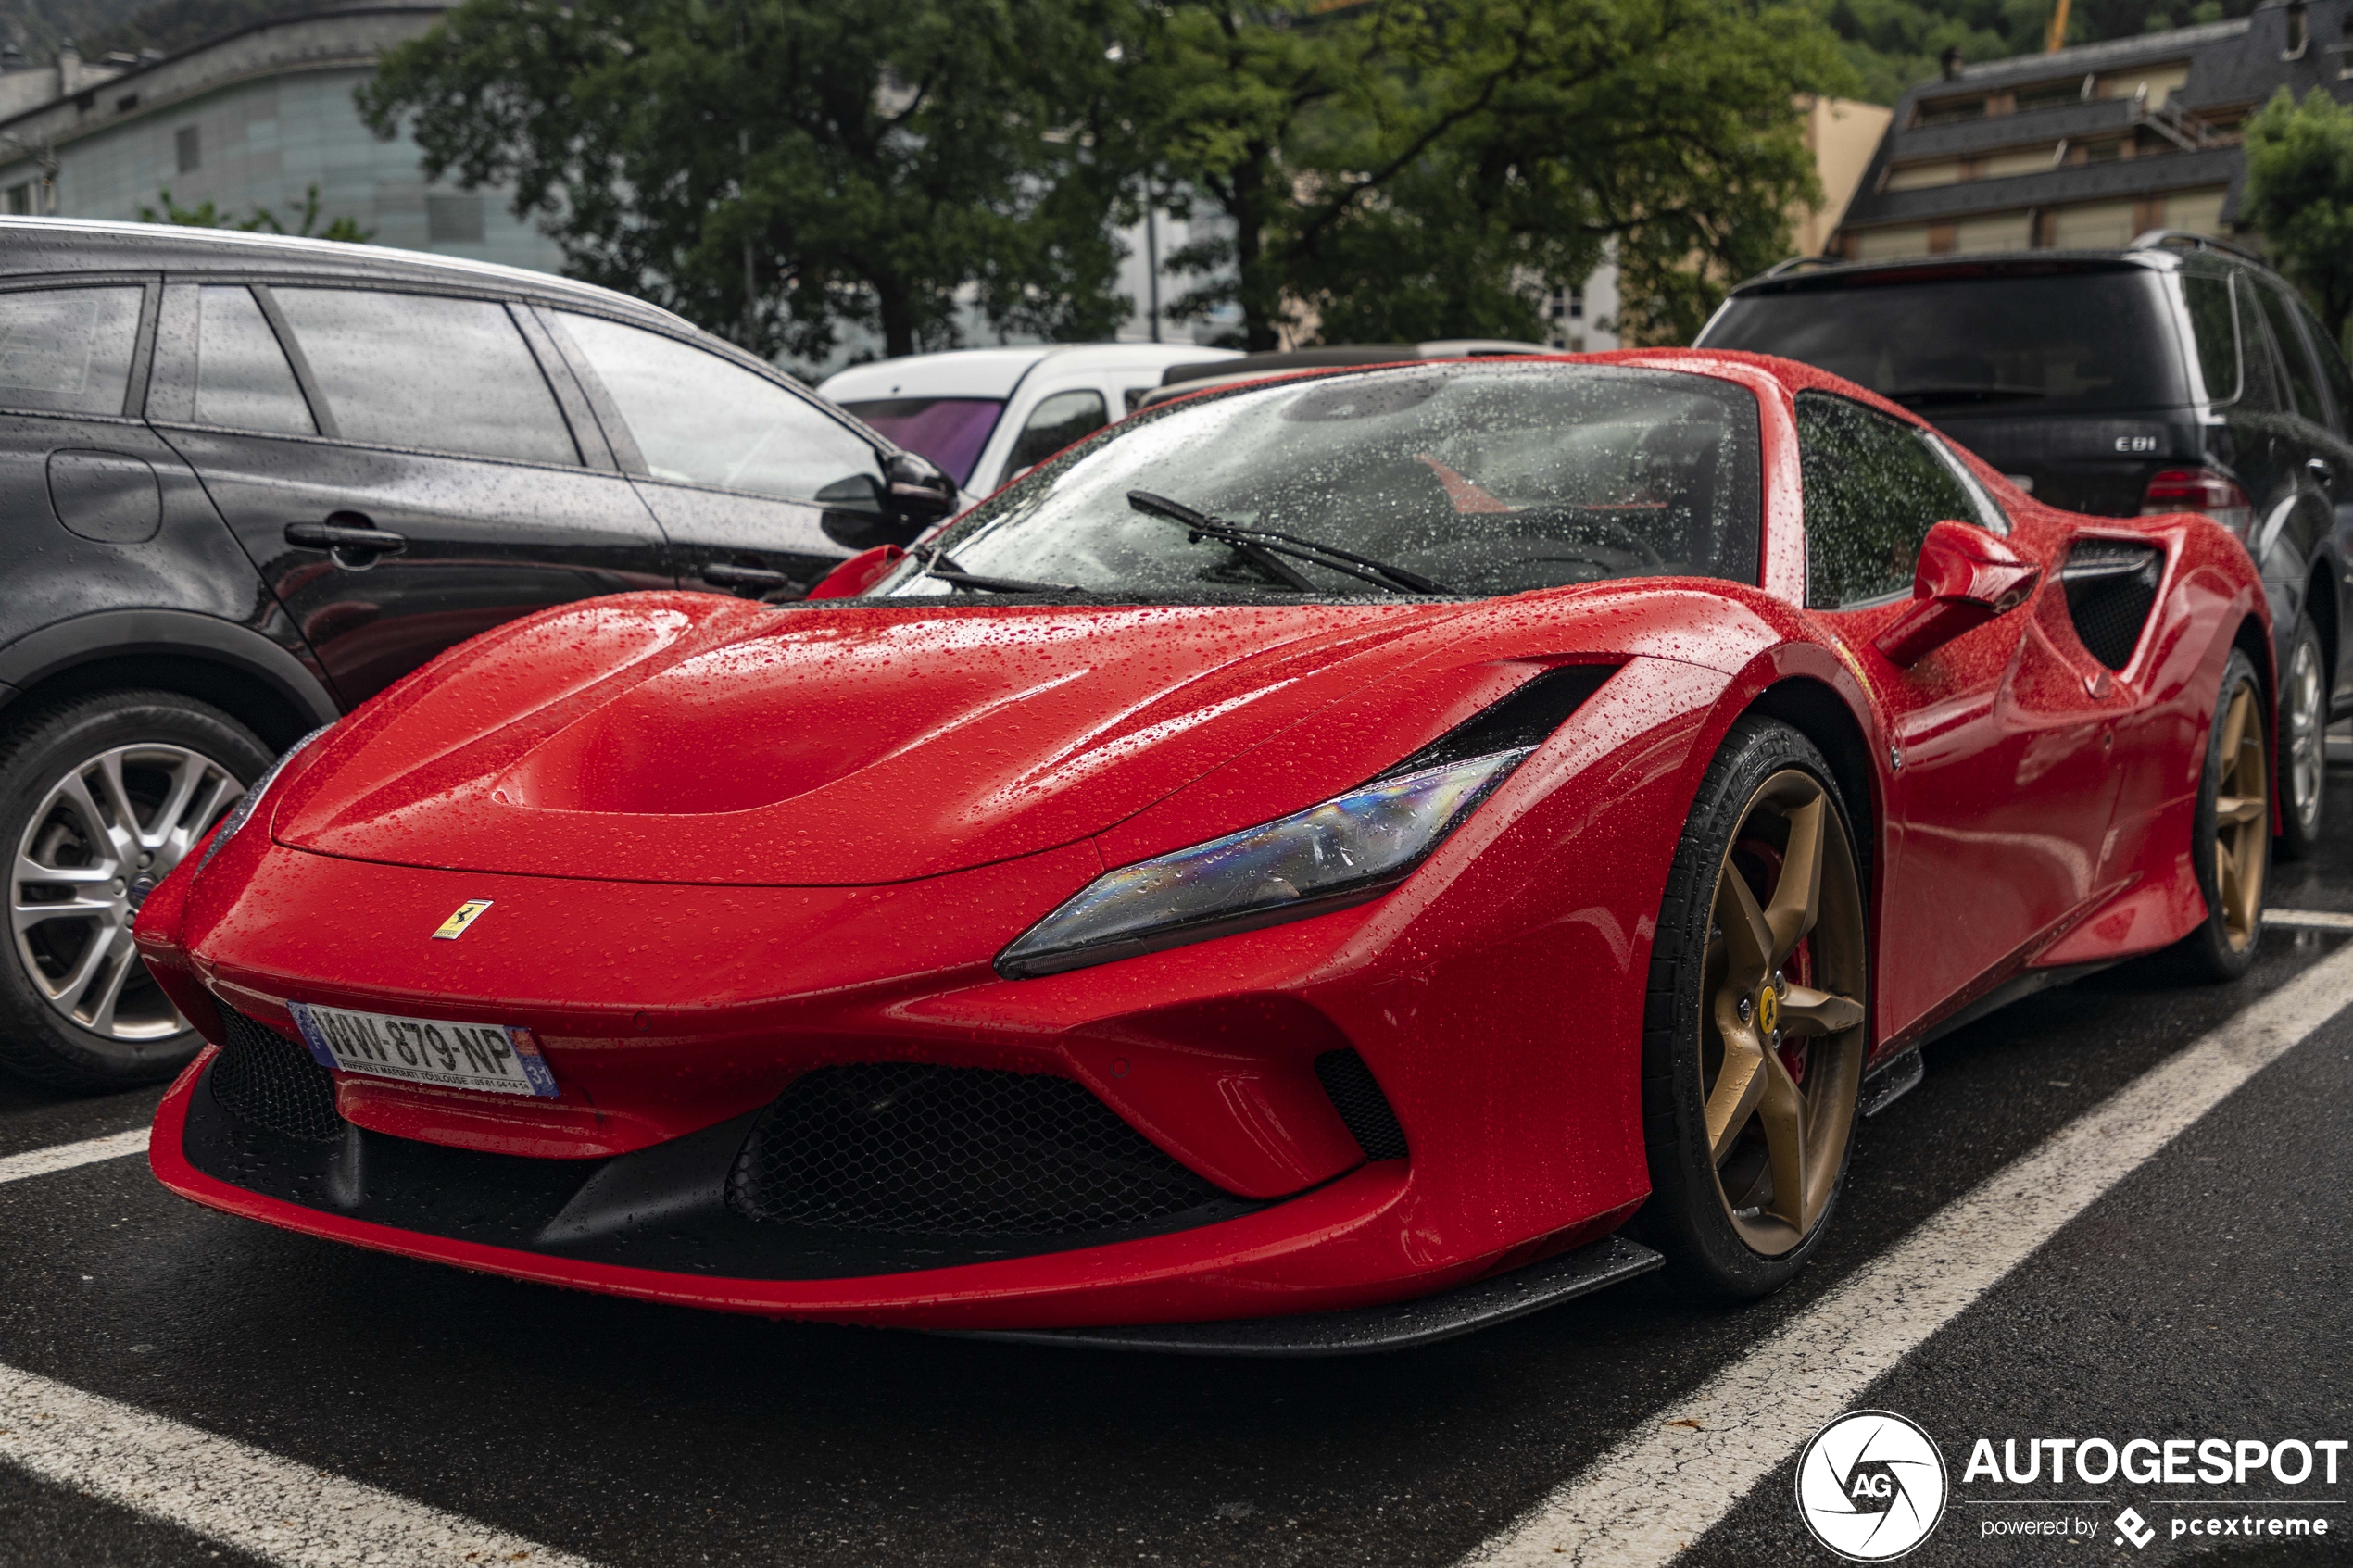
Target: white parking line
x,y
235,1494
66,1156
2309,920
1660,1490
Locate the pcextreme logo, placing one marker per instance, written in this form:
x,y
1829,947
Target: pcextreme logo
x,y
1871,1486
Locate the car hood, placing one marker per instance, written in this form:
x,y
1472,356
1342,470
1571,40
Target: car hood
x,y
685,738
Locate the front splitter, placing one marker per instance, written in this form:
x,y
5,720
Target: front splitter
x,y
1399,1325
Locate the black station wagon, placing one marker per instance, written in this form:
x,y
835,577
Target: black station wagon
x,y
246,482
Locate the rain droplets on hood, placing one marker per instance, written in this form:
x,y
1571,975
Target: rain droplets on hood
x,y
1479,478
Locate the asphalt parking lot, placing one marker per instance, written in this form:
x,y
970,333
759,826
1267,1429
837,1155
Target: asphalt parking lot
x,y
2203,1291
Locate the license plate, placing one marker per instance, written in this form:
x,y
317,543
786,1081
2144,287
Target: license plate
x,y
495,1058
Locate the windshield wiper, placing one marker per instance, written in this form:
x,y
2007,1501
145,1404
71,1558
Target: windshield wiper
x,y
938,565
1260,544
1962,391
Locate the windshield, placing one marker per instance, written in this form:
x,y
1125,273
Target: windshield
x,y
948,431
1467,478
2052,343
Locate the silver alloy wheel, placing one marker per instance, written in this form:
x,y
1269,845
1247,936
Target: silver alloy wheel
x,y
2306,767
107,832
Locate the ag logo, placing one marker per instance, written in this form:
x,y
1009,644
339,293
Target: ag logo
x,y
1871,1486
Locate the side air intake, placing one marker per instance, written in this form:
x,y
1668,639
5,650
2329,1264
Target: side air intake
x,y
910,1148
1357,1095
2111,587
264,1080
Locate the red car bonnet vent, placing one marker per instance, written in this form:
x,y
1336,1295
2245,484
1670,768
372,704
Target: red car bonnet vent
x,y
2199,490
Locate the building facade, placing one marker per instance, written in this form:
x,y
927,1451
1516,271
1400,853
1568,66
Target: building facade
x,y
252,120
2091,146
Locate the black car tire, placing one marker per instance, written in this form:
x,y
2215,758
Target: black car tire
x,y
56,762
2302,773
2222,947
1767,778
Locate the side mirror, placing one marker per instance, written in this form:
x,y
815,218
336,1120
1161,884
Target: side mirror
x,y
916,492
864,510
1966,577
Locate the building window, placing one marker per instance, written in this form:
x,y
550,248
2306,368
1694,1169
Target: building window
x,y
455,220
188,142
20,200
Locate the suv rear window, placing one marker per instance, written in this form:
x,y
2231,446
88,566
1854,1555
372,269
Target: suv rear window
x,y
2055,342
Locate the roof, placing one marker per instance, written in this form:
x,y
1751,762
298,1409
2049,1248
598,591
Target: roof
x,y
994,372
37,246
2231,65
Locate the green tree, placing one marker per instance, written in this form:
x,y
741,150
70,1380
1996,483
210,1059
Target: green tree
x,y
770,169
261,220
1404,172
2299,195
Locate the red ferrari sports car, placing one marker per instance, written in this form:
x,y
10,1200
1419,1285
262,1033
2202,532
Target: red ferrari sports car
x,y
1304,868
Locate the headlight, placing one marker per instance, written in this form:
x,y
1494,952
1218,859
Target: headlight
x,y
1350,847
242,813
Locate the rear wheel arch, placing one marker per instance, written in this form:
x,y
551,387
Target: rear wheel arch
x,y
232,667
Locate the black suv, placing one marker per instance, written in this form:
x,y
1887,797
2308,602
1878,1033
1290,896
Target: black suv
x,y
2177,374
246,482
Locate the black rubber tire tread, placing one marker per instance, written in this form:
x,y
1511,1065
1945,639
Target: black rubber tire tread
x,y
2295,841
2207,952
1684,1216
36,1042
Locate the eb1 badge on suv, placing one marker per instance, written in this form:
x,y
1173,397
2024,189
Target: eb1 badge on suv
x,y
248,481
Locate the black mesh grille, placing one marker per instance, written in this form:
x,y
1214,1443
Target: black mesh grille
x,y
1357,1097
2111,584
909,1148
265,1080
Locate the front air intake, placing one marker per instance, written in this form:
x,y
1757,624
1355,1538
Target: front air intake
x,y
2111,587
1357,1095
911,1148
264,1080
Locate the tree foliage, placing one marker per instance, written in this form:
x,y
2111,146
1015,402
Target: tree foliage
x,y
261,219
1893,44
771,168
2299,195
1407,171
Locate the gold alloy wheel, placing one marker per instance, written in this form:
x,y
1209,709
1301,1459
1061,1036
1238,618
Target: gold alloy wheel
x,y
2242,819
1782,1036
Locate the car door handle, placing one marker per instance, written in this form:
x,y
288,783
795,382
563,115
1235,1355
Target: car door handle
x,y
343,536
745,576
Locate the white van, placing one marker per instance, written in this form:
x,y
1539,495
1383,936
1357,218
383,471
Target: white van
x,y
986,414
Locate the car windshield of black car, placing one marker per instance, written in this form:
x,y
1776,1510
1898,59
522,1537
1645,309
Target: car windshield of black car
x,y
1493,478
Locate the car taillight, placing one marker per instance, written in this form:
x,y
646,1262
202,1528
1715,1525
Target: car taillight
x,y
2199,490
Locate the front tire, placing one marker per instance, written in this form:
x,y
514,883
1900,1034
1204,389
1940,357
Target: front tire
x,y
2231,839
1755,1031
2303,723
100,796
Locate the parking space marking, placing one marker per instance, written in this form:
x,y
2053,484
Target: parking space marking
x,y
66,1156
1661,1488
2308,920
236,1494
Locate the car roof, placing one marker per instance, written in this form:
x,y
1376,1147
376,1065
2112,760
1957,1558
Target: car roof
x,y
38,246
994,372
2153,253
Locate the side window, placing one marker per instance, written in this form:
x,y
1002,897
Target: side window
x,y
2264,390
1874,487
219,363
700,419
413,370
2215,330
2303,376
1054,424
2332,370
67,351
